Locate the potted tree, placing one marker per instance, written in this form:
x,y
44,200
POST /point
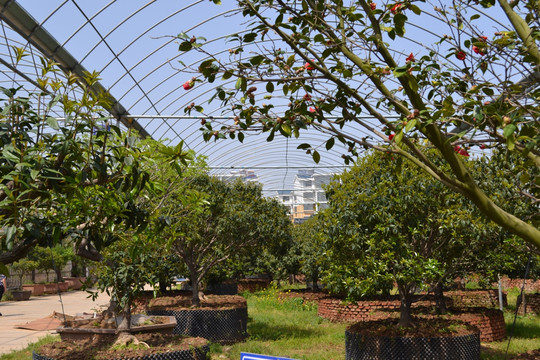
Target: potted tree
x,y
204,222
385,228
20,269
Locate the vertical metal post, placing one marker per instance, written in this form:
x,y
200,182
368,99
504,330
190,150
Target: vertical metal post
x,y
501,305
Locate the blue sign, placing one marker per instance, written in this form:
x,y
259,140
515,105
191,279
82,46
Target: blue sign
x,y
247,356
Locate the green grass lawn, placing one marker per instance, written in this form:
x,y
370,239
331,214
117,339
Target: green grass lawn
x,y
289,328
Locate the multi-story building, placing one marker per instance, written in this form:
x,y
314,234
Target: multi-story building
x,y
307,197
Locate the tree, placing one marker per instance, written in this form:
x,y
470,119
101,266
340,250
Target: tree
x,y
77,177
333,60
206,221
309,248
391,223
21,268
127,269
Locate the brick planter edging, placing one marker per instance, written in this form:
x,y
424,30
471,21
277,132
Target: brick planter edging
x,y
532,304
476,298
337,310
252,285
490,322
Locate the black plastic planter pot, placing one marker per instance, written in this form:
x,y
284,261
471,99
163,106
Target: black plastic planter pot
x,y
223,288
372,347
224,326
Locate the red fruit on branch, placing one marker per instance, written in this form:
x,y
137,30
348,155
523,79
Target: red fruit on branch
x,y
307,97
461,55
396,8
188,84
373,6
391,136
308,66
409,58
477,50
461,151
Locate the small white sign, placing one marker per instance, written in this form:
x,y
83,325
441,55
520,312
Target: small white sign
x,y
248,356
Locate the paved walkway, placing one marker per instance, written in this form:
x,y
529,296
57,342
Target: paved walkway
x,y
38,307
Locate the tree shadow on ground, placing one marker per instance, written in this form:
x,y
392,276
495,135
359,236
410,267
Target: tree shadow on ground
x,y
523,330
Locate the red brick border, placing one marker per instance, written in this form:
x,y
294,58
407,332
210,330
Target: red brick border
x,y
476,298
252,285
490,322
532,304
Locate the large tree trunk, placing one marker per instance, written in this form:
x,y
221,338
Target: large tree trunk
x,y
405,318
125,325
194,277
440,303
315,280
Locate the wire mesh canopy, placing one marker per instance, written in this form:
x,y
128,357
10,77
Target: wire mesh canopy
x,y
133,44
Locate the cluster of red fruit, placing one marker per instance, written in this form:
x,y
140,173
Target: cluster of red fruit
x,y
477,50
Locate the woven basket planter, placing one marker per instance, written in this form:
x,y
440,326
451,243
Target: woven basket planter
x,y
224,326
370,347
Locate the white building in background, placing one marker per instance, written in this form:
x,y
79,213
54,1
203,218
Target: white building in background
x,y
307,197
244,175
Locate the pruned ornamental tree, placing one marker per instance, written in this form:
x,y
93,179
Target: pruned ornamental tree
x,y
391,223
460,75
206,221
76,177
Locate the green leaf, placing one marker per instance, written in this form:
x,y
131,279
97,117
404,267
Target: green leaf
x,y
330,143
52,123
33,174
241,84
509,130
11,231
524,178
415,9
270,87
318,38
250,37
511,142
316,156
400,71
10,153
410,125
398,137
478,114
185,46
4,270
256,60
290,60
399,23
286,129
